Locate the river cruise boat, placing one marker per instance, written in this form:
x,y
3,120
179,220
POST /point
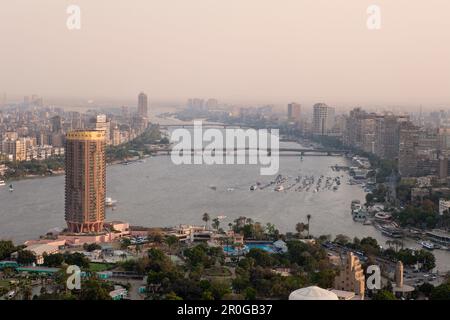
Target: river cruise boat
x,y
440,237
359,215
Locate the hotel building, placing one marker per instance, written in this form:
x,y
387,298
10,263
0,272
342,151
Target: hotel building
x,y
85,181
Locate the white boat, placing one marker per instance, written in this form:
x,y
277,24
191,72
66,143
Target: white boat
x,y
427,245
109,202
279,188
2,183
359,215
253,188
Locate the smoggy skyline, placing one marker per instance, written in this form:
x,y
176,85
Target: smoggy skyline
x,y
236,51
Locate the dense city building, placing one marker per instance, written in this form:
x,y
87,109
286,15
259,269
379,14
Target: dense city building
x,y
294,112
323,119
387,135
359,130
408,143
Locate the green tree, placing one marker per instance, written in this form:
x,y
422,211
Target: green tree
x,y
308,218
206,219
173,296
384,295
91,247
6,248
426,288
441,292
250,293
93,289
207,295
216,223
53,260
125,243
77,259
300,227
26,257
171,241
220,288
342,239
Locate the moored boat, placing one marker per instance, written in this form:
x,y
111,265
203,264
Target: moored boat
x,y
427,245
109,202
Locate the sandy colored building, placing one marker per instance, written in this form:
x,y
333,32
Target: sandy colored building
x,y
351,277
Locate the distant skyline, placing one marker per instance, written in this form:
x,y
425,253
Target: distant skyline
x,y
240,52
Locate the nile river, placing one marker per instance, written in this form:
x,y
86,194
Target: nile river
x,y
159,193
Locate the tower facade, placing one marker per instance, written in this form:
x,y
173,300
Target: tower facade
x,y
294,112
142,105
323,119
85,181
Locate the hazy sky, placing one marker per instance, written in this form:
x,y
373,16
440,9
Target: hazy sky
x,y
272,51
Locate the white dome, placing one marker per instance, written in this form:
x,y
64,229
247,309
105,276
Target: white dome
x,y
312,293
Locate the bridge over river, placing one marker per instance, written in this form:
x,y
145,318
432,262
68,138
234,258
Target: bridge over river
x,y
296,152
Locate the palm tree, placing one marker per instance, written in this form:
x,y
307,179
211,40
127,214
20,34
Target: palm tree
x,y
171,241
308,217
389,243
216,223
25,290
397,244
205,219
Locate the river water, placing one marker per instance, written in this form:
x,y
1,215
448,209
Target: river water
x,y
159,193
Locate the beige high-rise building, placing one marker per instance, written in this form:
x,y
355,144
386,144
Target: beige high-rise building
x,y
85,181
387,135
116,136
294,112
142,105
323,119
351,277
15,148
407,155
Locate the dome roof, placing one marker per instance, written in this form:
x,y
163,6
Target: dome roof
x,y
312,293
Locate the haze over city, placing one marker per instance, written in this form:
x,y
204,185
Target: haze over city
x,y
253,51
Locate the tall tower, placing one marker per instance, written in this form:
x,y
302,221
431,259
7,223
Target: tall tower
x,y
85,181
399,274
294,112
323,119
142,105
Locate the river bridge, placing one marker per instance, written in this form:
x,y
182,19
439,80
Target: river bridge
x,y
292,152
